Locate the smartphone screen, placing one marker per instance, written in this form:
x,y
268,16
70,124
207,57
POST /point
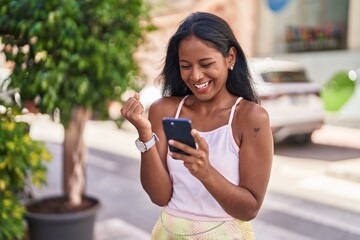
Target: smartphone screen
x,y
178,129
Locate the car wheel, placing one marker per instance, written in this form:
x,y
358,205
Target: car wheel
x,y
301,138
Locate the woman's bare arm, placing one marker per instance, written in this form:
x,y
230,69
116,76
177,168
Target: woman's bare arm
x,y
154,176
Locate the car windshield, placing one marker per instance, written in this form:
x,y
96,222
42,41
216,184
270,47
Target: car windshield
x,y
284,77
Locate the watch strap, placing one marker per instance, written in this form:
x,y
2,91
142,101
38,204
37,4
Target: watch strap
x,y
149,144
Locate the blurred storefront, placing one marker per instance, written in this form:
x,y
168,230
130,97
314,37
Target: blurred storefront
x,y
322,34
302,26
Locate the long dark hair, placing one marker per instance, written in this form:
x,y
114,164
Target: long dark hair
x,y
214,29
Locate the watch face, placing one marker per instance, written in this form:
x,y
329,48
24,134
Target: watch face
x,y
140,145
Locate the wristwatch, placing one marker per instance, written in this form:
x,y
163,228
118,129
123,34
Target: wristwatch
x,y
145,146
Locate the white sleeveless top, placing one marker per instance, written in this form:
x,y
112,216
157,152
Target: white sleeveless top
x,y
190,199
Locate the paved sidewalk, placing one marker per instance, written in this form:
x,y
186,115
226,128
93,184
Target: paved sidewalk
x,y
335,183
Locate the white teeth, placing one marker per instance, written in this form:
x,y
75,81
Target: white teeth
x,y
203,85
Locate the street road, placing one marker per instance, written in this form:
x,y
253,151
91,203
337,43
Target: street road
x,y
114,179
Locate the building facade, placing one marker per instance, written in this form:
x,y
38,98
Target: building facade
x,y
324,35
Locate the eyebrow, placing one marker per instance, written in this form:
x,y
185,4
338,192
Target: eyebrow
x,y
201,60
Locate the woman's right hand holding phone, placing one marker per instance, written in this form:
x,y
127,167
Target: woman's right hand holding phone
x,y
197,162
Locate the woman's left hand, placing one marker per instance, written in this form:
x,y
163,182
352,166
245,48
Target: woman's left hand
x,y
198,162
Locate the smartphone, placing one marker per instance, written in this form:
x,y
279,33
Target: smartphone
x,y
178,129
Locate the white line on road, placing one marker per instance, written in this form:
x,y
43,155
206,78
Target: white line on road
x,y
116,228
312,216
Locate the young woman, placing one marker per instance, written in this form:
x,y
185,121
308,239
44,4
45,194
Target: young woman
x,y
216,190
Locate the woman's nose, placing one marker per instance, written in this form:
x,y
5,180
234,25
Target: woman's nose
x,y
196,75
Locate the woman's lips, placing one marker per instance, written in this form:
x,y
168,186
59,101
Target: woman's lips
x,y
202,85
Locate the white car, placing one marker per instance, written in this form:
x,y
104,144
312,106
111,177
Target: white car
x,y
291,99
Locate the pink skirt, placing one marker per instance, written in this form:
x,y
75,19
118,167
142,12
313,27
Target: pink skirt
x,y
169,227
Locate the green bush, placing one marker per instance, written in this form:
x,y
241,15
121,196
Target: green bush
x,y
337,91
22,163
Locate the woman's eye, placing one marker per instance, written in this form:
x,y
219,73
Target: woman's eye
x,y
206,65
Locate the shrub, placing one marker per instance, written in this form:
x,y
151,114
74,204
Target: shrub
x,y
337,91
22,163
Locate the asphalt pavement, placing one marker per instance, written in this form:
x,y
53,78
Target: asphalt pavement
x,y
308,179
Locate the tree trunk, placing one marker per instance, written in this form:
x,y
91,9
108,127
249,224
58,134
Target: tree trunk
x,y
75,155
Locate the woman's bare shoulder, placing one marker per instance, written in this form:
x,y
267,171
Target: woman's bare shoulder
x,y
251,112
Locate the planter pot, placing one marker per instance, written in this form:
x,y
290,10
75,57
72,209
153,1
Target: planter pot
x,y
61,223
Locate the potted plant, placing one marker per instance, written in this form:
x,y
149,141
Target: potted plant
x,y
22,163
74,56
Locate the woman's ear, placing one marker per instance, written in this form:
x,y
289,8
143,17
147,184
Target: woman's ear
x,y
231,58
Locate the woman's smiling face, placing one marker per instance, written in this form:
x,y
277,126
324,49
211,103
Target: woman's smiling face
x,y
202,67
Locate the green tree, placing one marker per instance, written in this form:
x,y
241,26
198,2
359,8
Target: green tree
x,y
75,56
